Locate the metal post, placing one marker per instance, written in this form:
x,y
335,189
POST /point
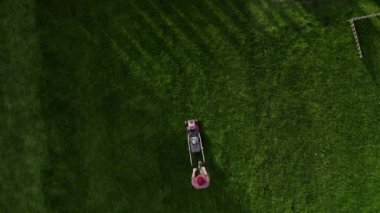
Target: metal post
x,y
203,155
188,144
356,37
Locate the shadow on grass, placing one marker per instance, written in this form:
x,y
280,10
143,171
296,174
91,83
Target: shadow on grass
x,y
329,12
369,38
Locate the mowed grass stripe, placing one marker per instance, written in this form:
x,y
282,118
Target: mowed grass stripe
x,y
211,19
148,71
191,29
224,18
210,40
22,134
235,9
204,36
202,40
214,63
166,40
150,67
184,66
172,26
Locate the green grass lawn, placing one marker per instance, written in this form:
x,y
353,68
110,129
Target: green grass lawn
x,y
94,95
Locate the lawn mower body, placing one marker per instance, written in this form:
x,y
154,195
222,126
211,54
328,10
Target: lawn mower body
x,y
194,140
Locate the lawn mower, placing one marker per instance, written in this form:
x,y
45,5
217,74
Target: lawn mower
x,y
194,140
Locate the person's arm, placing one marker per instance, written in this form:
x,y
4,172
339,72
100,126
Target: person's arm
x,y
203,170
193,175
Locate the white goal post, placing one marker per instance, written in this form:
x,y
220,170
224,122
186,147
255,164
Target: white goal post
x,y
355,34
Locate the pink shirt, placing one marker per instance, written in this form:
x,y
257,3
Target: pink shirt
x,y
196,185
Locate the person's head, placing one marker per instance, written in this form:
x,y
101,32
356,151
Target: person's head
x,y
200,180
191,123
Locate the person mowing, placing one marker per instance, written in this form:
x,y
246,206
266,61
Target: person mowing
x,y
201,180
